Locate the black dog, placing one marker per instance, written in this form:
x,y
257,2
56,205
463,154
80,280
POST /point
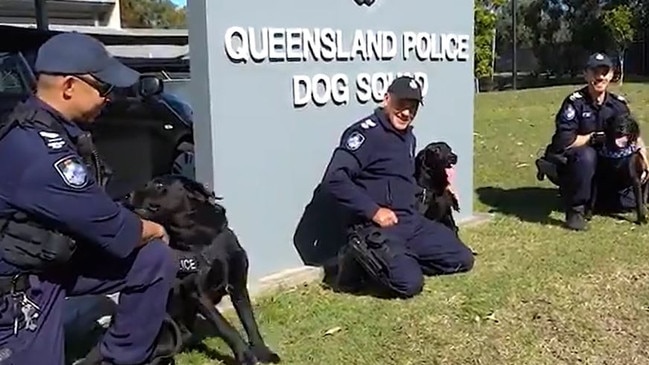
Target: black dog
x,y
212,262
620,163
436,202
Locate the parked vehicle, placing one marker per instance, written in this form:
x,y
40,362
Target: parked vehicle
x,y
145,132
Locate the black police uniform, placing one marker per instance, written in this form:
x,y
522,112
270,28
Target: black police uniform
x,y
62,235
580,115
374,167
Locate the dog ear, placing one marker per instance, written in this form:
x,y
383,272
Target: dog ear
x,y
200,192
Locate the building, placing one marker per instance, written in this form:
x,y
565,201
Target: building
x,y
85,13
101,18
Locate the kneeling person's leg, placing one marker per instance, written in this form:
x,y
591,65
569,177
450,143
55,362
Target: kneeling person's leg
x,y
389,265
31,326
144,281
577,184
439,250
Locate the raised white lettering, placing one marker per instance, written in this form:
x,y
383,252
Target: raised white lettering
x,y
435,47
236,53
273,44
301,44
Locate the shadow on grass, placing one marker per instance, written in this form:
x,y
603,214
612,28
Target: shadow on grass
x,y
529,204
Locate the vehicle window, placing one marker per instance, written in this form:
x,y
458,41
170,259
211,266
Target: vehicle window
x,y
180,106
11,78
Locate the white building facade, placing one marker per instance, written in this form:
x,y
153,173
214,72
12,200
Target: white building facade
x,y
63,13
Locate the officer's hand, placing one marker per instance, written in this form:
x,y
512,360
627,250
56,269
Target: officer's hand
x,y
151,231
384,217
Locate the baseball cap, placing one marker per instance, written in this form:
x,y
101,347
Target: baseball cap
x,y
406,87
599,60
73,53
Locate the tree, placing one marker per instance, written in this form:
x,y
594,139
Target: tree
x,y
619,21
485,17
152,14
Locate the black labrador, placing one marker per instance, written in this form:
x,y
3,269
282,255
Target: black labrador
x,y
212,262
620,163
435,201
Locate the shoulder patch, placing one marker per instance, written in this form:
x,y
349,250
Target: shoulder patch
x,y
354,141
569,112
368,123
52,140
72,171
620,98
574,96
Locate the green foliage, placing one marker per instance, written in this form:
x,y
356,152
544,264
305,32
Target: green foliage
x,y
485,18
152,14
619,21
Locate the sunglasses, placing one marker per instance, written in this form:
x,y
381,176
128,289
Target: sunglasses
x,y
102,88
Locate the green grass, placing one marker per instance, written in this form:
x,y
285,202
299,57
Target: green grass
x,y
539,294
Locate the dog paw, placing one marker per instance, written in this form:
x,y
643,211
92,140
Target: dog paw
x,y
265,355
246,358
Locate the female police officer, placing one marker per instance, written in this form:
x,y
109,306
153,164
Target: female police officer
x,y
582,114
51,204
372,174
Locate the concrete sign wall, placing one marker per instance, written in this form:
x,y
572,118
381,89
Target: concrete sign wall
x,y
274,84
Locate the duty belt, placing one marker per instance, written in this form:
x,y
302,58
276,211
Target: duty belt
x,y
14,284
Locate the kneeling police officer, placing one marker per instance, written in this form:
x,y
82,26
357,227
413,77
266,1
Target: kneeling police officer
x,y
570,160
60,233
371,173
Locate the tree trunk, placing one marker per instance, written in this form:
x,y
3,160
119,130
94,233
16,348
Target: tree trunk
x,y
622,51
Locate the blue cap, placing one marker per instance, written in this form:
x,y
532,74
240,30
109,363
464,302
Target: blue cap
x,y
79,54
599,60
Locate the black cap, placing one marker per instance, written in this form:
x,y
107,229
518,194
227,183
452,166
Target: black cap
x,y
79,54
599,60
406,87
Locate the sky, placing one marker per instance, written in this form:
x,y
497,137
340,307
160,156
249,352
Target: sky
x,y
179,2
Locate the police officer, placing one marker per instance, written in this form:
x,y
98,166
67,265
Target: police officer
x,y
48,196
371,173
571,155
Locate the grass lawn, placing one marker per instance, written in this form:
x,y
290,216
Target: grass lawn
x,y
538,295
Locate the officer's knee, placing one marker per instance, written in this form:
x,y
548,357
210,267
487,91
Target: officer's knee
x,y
406,278
408,288
155,261
584,159
465,260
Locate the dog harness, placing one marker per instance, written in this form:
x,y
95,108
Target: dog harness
x,y
616,153
191,262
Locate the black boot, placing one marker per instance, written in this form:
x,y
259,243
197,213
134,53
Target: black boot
x,y
351,276
575,218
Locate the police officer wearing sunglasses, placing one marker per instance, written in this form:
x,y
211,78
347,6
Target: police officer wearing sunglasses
x,y
371,173
60,233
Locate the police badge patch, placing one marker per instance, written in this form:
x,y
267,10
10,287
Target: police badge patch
x,y
569,112
354,141
73,172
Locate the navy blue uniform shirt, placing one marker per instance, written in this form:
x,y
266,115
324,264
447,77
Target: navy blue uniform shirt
x,y
374,167
44,177
580,115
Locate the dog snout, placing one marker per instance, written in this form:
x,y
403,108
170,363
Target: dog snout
x,y
452,159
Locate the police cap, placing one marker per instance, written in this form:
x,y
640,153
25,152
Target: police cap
x,y
73,53
406,87
598,60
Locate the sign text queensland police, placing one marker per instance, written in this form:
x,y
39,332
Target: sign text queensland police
x,y
243,45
